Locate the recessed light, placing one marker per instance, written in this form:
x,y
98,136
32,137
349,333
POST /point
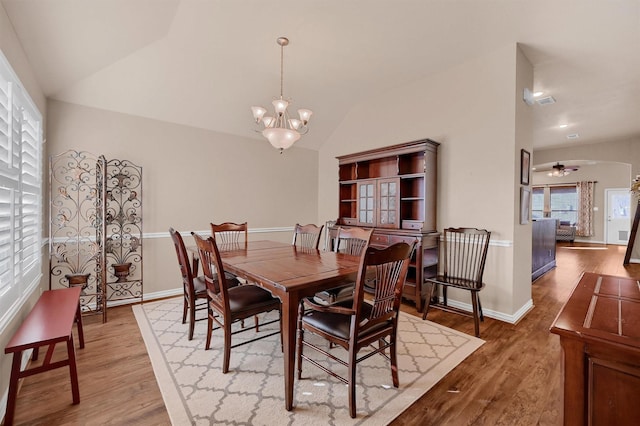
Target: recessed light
x,y
573,136
563,126
537,94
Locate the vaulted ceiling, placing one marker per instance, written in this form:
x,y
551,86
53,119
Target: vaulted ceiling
x,y
203,63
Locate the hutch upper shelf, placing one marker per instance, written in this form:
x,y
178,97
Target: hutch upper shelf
x,y
392,187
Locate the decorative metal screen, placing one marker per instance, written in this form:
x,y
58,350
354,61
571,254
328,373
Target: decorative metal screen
x,y
95,228
123,230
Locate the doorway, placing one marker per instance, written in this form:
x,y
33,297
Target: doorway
x,y
618,220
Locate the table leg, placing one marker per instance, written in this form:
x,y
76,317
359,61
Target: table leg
x,y
289,324
13,388
73,372
573,367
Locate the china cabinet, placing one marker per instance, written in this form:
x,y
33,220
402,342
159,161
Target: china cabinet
x,y
394,191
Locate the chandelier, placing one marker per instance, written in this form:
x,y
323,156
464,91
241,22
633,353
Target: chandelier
x,y
281,130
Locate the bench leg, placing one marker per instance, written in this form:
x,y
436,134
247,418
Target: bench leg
x,y
13,388
73,372
79,324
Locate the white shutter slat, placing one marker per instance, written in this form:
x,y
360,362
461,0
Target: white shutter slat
x,y
20,193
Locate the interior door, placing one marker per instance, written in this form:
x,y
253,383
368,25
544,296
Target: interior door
x,y
618,220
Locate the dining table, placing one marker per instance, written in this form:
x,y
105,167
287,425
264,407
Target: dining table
x,y
290,273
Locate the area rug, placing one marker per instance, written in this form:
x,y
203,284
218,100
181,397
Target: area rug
x,y
196,392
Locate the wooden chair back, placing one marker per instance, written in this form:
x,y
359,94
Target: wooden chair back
x,y
183,262
463,255
390,265
352,240
212,263
230,234
307,236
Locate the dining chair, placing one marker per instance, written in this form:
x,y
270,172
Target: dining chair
x,y
228,305
230,235
360,324
461,260
194,288
307,236
351,241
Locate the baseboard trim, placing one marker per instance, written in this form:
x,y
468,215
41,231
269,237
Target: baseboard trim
x,y
500,316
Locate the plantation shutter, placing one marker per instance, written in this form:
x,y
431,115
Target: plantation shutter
x,y
20,193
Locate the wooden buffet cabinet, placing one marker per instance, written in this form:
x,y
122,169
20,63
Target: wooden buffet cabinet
x,y
599,329
543,247
393,190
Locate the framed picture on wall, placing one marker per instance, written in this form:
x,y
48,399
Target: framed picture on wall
x,y
525,166
525,202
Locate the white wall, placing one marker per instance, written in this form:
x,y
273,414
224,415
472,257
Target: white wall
x,y
471,110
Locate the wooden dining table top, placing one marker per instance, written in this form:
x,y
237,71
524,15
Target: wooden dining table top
x,y
287,267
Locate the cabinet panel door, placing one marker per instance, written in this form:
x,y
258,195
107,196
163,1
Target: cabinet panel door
x,y
366,203
388,203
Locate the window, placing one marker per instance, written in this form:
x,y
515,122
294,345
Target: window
x,y
537,203
557,202
563,201
20,193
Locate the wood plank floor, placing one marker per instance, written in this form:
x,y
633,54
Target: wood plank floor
x,y
513,379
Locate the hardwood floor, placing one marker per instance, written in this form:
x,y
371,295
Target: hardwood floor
x,y
513,379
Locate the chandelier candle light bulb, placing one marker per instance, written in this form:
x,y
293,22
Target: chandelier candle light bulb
x,y
281,130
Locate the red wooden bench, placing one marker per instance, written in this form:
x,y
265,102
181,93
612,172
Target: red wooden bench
x,y
49,322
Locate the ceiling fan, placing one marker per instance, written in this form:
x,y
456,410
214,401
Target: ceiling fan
x,y
559,170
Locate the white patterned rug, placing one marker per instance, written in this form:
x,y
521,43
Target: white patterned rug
x,y
196,392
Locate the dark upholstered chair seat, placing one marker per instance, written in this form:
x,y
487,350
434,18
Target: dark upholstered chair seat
x,y
246,297
339,325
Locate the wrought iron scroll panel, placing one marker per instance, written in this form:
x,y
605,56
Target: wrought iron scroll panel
x,y
123,231
95,216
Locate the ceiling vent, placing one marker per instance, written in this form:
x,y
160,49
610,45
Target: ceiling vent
x,y
573,136
547,100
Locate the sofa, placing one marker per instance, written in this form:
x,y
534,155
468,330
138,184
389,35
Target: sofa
x,y
565,231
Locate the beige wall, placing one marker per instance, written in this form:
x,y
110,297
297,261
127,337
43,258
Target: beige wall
x,y
623,151
192,177
471,110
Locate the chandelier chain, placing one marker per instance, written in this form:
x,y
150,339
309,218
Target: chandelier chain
x,y
281,70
